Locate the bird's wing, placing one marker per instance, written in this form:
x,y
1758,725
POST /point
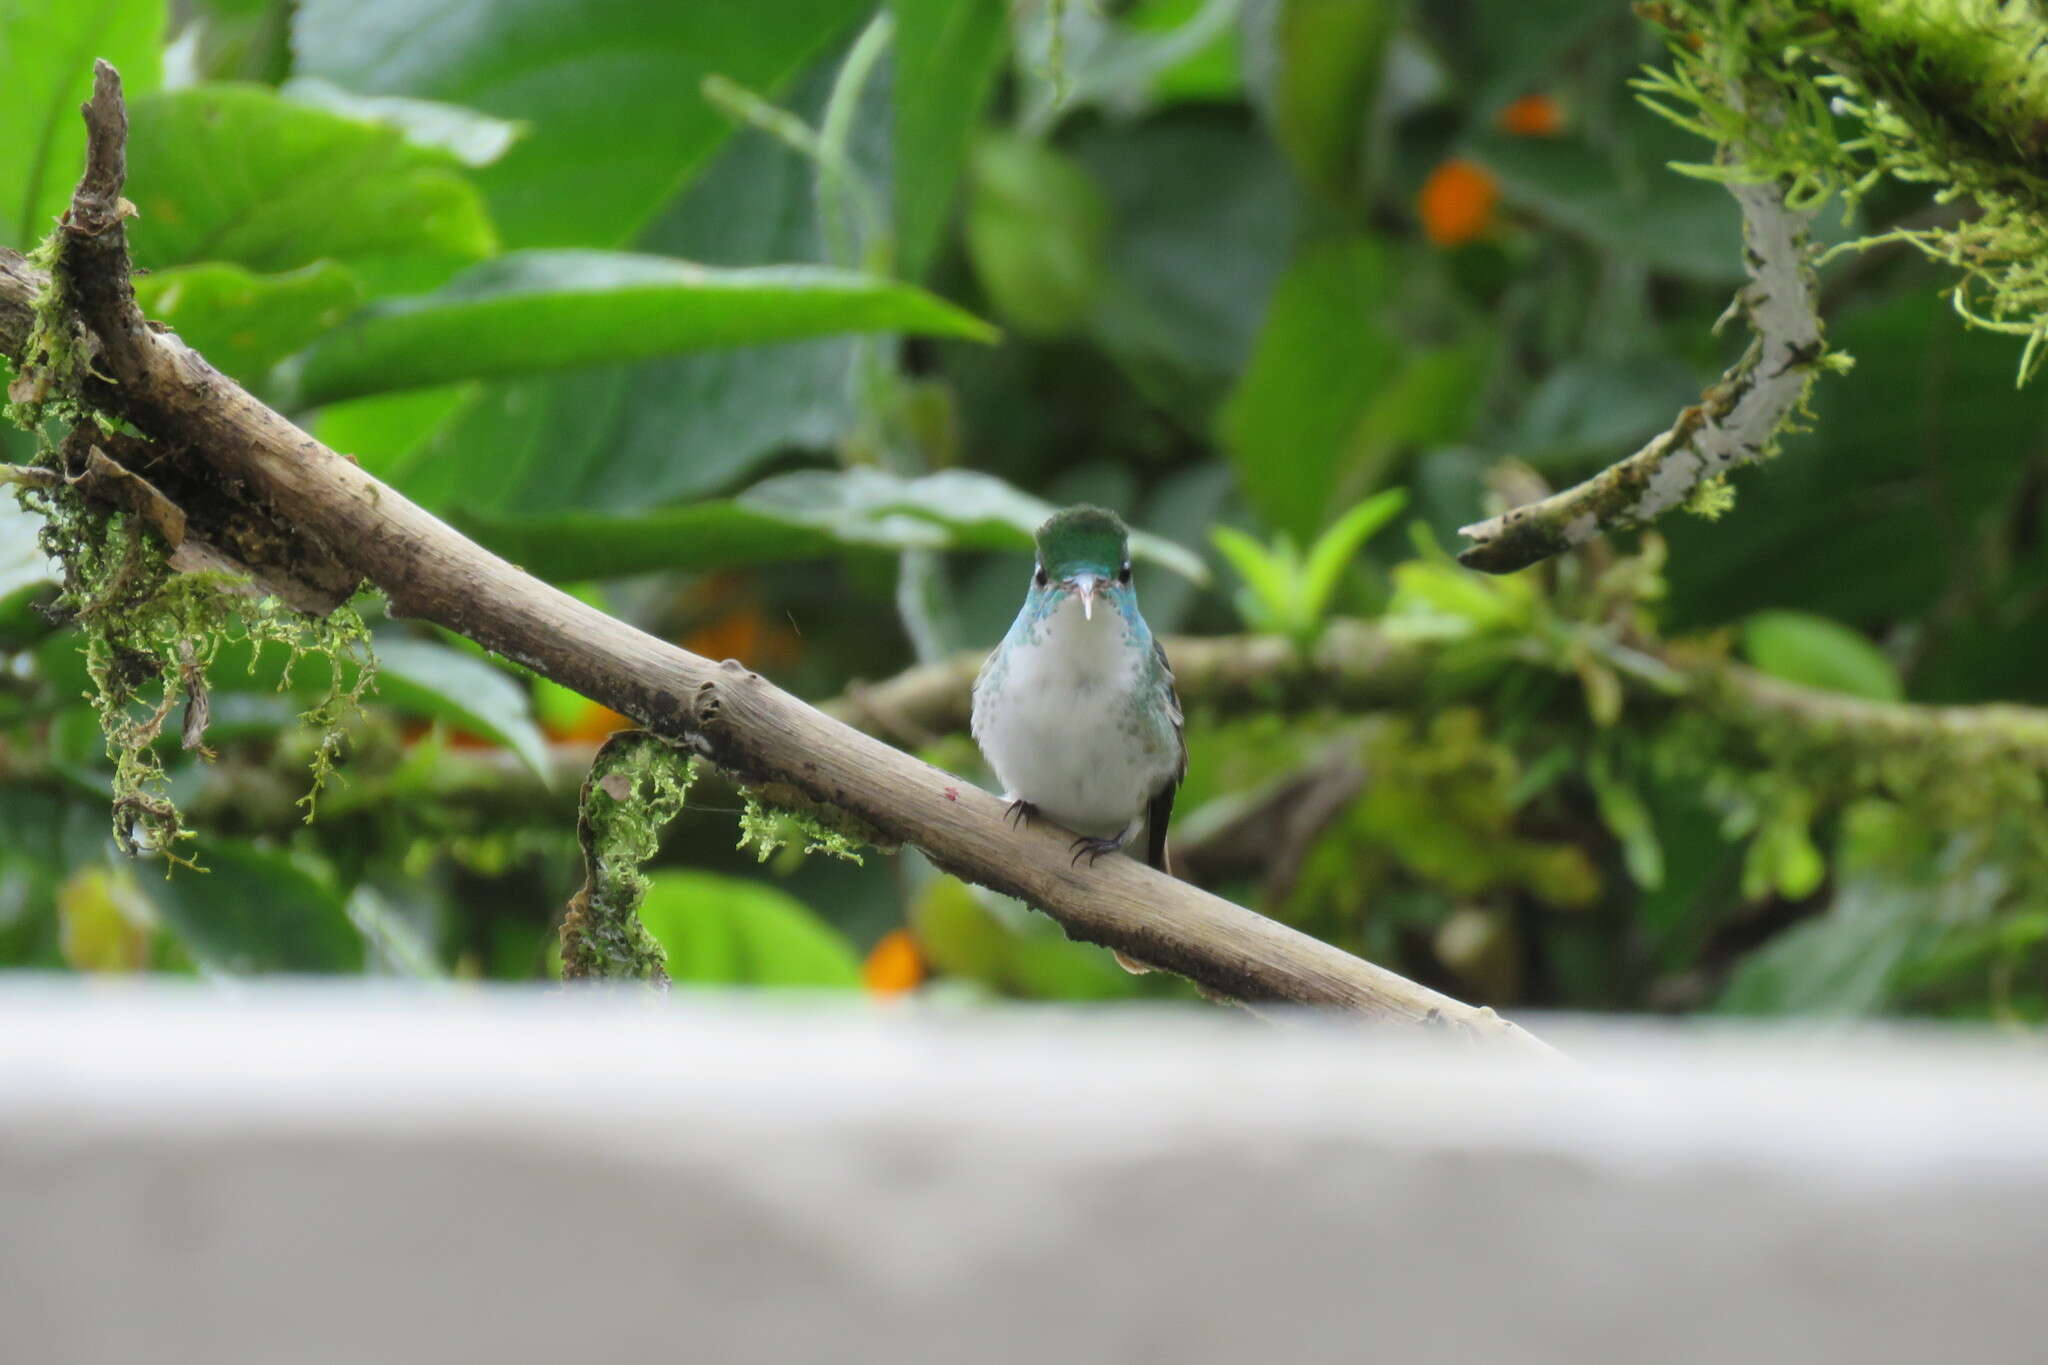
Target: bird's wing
x,y
1160,811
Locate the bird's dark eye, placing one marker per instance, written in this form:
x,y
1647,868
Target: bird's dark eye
x,y
1038,577
1123,575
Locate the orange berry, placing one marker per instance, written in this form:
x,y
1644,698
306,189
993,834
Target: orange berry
x,y
894,966
1457,202
1532,116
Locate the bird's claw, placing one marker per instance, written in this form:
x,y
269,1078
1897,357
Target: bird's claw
x,y
1019,813
1093,848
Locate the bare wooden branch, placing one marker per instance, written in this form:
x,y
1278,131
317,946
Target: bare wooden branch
x,y
733,717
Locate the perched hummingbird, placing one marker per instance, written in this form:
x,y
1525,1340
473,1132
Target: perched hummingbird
x,y
1075,711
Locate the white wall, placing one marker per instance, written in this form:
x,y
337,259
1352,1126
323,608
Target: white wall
x,y
285,1175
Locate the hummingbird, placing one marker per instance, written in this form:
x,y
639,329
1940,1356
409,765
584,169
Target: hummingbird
x,y
1075,710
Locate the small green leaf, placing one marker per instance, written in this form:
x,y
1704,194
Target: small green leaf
x,y
1339,545
1627,817
537,311
433,680
1270,578
1817,652
255,910
738,932
242,322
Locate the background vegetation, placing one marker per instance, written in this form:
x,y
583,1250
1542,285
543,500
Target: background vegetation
x,y
774,327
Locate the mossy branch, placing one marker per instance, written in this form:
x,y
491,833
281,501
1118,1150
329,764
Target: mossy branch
x,y
720,712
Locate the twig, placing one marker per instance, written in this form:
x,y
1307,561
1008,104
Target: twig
x,y
725,713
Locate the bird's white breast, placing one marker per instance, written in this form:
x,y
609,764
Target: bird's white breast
x,y
1058,723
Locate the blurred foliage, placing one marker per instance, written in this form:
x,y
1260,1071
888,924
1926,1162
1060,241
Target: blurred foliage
x,y
692,310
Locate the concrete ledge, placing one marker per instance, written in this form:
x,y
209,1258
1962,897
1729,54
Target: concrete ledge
x,y
323,1175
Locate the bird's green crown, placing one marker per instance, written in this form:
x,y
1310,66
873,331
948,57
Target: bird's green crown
x,y
1082,539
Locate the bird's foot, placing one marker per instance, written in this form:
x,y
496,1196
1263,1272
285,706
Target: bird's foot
x,y
1092,848
1131,964
1020,813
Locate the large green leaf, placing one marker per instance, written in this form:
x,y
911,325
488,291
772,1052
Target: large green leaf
x,y
46,54
960,508
546,310
255,910
1813,650
1315,66
624,438
447,684
240,174
470,137
610,88
242,322
1333,391
794,516
1203,213
946,57
1035,228
730,931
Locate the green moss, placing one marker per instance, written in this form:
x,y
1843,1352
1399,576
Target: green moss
x,y
1832,97
149,634
637,784
767,830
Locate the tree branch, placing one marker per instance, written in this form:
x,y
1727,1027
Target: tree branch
x,y
731,716
1356,666
1734,423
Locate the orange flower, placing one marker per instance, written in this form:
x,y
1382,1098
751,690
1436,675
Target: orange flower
x,y
894,966
1457,202
1532,116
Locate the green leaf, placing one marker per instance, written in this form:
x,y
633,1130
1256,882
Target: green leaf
x,y
433,680
794,516
1316,66
240,174
1204,216
1817,652
472,138
1321,356
1333,392
1269,579
626,438
1035,227
1627,817
254,910
46,54
609,87
544,310
242,322
1339,545
961,508
946,56
705,535
732,931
